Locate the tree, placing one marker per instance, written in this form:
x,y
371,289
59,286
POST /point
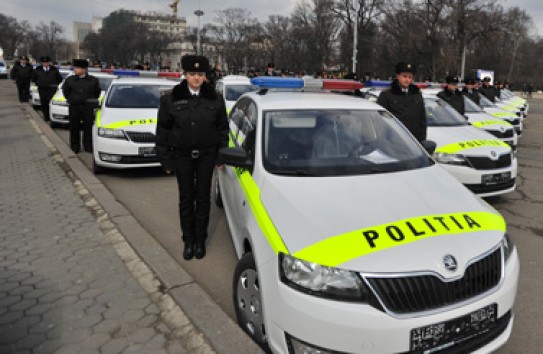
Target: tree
x,y
13,34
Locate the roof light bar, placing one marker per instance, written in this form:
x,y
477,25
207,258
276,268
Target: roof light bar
x,y
265,82
377,83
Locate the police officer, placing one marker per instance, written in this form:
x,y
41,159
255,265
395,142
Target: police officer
x,y
270,70
77,89
404,100
487,90
451,95
22,75
46,77
470,90
192,126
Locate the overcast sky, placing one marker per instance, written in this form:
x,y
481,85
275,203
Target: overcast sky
x,y
65,12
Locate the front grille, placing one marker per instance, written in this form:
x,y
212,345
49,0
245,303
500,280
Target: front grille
x,y
485,163
481,188
136,159
139,137
515,121
498,134
404,295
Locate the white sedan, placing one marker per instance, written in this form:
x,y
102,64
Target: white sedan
x,y
123,134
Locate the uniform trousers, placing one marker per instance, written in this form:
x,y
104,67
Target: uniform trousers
x,y
23,89
46,94
81,116
194,171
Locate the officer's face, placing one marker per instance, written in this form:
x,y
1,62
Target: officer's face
x,y
405,79
79,71
195,79
452,87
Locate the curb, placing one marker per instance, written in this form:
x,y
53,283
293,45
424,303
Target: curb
x,y
200,324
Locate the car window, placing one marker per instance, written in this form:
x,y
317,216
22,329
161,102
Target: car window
x,y
219,88
233,92
337,142
440,114
470,106
105,82
135,96
485,102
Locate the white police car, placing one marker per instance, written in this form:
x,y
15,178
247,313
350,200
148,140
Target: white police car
x,y
123,134
513,103
231,87
58,107
351,239
495,111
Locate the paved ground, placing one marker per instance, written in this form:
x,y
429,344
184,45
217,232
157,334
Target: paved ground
x,y
69,282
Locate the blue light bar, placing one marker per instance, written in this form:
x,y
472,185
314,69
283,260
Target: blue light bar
x,y
121,72
267,82
377,83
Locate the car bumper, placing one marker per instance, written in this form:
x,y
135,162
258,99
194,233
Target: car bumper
x,y
122,154
35,99
359,328
59,114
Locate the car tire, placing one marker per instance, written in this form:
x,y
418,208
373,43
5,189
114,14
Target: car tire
x,y
97,169
217,191
54,125
248,301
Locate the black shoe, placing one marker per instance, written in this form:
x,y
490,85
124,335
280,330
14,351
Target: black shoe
x,y
188,253
200,250
75,149
88,149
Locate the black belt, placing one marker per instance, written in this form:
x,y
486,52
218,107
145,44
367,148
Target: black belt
x,y
195,153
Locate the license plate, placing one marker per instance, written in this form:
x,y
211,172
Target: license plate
x,y
496,178
147,151
439,336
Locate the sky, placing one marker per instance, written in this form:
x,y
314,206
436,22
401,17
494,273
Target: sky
x,y
65,12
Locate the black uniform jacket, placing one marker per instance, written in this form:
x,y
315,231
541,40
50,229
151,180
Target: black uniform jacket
x,y
408,108
49,79
188,123
22,74
454,98
77,90
473,95
489,92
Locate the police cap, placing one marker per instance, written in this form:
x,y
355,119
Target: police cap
x,y
80,63
403,67
195,63
452,79
45,59
470,81
271,65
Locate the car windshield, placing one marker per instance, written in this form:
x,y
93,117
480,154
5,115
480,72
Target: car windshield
x,y
233,92
135,96
470,106
485,102
105,82
441,114
337,143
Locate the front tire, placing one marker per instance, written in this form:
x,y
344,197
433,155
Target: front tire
x,y
97,169
248,301
217,191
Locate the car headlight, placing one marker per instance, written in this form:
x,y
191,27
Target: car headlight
x,y
450,159
508,246
315,279
111,133
59,103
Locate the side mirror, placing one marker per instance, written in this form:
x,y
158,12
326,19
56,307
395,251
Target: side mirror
x,y
93,103
234,156
429,146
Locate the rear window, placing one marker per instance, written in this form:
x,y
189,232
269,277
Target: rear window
x,y
135,96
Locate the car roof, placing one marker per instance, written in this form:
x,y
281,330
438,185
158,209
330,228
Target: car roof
x,y
235,79
143,81
292,100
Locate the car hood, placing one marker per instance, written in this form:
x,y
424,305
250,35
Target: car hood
x,y
130,119
467,140
499,113
328,209
485,121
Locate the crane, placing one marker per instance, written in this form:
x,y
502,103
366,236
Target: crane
x,y
173,5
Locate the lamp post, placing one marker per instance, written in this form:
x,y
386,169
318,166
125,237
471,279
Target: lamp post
x,y
199,13
355,34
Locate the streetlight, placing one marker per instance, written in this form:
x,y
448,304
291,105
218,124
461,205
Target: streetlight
x,y
199,13
355,34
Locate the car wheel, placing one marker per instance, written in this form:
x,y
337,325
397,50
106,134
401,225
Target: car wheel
x,y
217,191
97,169
248,302
54,125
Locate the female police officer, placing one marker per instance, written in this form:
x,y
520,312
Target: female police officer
x,y
192,126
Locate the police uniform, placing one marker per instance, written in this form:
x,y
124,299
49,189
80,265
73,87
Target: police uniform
x,y
77,90
47,80
472,94
487,90
454,98
406,104
191,128
22,75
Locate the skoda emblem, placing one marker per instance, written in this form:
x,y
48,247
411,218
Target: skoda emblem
x,y
450,262
502,129
493,155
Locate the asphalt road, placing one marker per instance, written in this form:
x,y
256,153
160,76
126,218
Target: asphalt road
x,y
152,198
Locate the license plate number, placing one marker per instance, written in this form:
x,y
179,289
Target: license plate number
x,y
147,151
439,336
496,178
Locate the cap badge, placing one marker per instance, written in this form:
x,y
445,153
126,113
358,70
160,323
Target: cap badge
x,y
196,65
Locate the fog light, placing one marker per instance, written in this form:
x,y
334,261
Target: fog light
x,y
296,346
110,158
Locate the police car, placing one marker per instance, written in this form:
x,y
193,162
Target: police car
x,y
478,118
35,95
495,111
123,134
58,107
513,102
350,238
231,87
